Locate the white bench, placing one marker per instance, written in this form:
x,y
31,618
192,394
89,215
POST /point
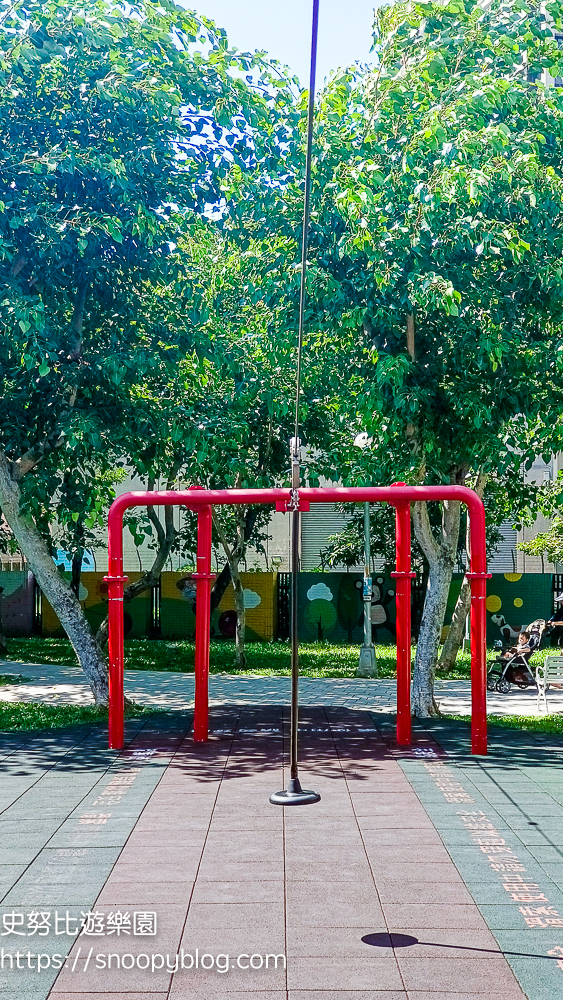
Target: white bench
x,y
550,670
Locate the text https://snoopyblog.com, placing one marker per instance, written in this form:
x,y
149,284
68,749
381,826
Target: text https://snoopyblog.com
x,y
80,960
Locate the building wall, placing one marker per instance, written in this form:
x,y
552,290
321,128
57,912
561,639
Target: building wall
x,y
541,472
505,558
137,558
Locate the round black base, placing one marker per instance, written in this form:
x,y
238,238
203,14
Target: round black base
x,y
294,795
303,798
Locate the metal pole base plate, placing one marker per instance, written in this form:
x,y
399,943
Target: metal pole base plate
x,y
367,666
294,795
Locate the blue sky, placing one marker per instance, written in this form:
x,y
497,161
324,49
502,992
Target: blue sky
x,y
283,29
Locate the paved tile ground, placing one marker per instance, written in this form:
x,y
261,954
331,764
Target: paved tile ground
x,y
61,684
421,875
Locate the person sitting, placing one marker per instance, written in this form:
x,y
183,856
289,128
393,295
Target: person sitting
x,y
519,667
521,649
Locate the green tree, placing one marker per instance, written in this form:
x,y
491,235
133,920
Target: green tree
x,y
241,416
111,119
546,544
447,258
435,256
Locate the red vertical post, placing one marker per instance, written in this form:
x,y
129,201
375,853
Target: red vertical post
x,y
115,650
478,663
403,576
478,579
115,580
204,577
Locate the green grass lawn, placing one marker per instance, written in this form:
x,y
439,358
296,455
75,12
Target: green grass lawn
x,y
317,659
530,723
25,715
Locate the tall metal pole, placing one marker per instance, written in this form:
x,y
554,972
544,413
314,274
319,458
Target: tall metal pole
x,y
295,536
294,795
367,667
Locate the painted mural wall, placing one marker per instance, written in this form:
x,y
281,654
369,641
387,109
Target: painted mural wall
x,y
94,599
177,607
17,602
514,600
331,607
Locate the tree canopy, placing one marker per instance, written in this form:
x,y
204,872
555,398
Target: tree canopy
x,y
118,126
436,258
150,213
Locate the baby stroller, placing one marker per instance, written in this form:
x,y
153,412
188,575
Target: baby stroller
x,y
514,669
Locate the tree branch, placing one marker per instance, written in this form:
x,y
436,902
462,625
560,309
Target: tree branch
x,y
410,336
222,537
155,521
26,462
78,321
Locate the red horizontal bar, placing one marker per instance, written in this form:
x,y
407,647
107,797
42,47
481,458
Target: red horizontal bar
x,y
323,494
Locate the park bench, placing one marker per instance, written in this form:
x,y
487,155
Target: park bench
x,y
550,670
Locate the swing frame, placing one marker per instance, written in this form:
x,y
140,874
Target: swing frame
x,y
398,495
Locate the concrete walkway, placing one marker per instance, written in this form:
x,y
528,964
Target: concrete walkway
x,y
423,874
174,691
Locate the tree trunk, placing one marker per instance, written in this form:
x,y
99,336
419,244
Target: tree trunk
x,y
441,560
53,585
419,606
456,632
223,580
76,573
241,617
234,556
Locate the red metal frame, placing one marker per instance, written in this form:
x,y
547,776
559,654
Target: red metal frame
x,y
398,494
403,576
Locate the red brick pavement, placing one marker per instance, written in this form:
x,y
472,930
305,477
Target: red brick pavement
x,y
228,873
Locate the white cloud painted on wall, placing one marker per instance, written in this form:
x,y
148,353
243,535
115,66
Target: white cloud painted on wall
x,y
251,599
319,592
